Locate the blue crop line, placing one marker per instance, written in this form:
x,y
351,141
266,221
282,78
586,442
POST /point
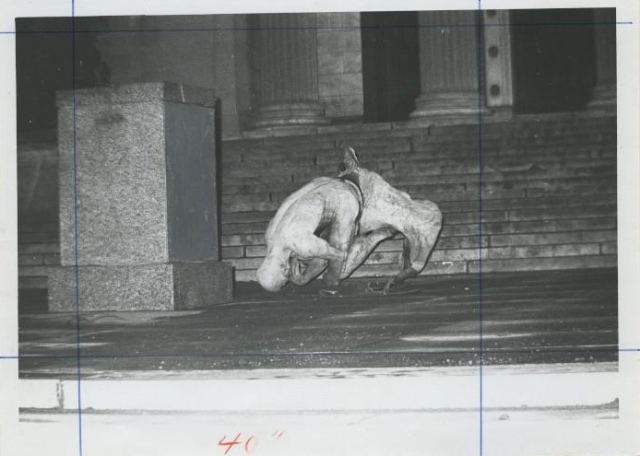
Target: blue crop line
x,y
479,69
75,227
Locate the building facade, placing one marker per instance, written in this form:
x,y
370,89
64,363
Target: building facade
x,y
292,70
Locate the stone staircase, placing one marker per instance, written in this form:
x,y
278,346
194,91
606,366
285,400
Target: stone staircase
x,y
38,238
547,193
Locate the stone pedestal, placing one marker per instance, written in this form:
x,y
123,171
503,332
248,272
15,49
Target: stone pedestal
x,y
603,96
448,65
138,200
286,60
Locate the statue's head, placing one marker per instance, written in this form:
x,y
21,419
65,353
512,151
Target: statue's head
x,y
273,273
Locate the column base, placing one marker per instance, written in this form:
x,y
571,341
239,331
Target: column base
x,y
290,114
603,97
447,104
172,286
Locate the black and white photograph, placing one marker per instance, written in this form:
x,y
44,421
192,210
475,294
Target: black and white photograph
x,y
398,229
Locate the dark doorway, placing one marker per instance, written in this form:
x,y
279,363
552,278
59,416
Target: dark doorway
x,y
554,59
390,65
45,48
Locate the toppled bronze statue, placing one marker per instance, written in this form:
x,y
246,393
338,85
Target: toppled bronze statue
x,y
354,213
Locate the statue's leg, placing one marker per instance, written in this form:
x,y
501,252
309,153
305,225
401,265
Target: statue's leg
x,y
417,247
314,268
361,247
316,253
341,237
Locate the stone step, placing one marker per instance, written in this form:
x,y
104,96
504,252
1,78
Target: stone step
x,y
546,212
33,271
254,242
544,226
248,206
242,240
461,200
498,171
268,144
241,218
440,193
283,155
289,180
38,237
375,140
37,259
569,151
407,151
548,192
554,213
27,226
246,217
474,266
571,237
319,143
473,141
473,228
254,178
540,264
508,131
39,248
441,171
525,128
604,198
505,165
492,181
584,185
520,208
244,228
358,139
32,283
276,172
450,249
390,252
433,268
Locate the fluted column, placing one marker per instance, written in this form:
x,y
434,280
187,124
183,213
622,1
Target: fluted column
x,y
604,92
287,63
448,64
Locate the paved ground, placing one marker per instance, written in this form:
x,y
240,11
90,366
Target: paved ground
x,y
527,317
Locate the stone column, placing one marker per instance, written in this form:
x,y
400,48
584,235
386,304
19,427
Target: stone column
x,y
287,63
497,61
448,64
604,92
138,200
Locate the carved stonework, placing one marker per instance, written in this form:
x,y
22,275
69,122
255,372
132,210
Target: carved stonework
x,y
498,79
448,64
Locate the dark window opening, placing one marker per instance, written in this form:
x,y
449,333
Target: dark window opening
x,y
390,65
553,59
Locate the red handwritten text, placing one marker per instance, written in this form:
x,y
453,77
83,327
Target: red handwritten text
x,y
250,443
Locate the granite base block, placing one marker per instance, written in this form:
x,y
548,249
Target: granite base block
x,y
172,286
202,284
